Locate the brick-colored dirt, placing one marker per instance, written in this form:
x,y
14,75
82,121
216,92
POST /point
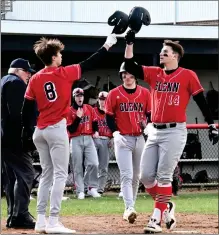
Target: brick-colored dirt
x,y
113,224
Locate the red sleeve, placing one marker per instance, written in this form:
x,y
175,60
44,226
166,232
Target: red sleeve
x,y
148,102
71,117
150,73
110,104
29,94
194,84
94,115
73,72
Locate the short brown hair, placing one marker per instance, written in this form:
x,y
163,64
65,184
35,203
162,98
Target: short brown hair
x,y
175,46
45,49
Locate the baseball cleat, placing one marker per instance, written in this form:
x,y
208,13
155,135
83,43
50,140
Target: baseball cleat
x,y
58,228
169,216
93,192
81,196
130,215
153,227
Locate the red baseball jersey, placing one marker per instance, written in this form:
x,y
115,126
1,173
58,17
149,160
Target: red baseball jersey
x,y
85,125
128,109
51,88
170,94
103,129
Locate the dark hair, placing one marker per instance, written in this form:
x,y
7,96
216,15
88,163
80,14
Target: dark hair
x,y
45,49
175,46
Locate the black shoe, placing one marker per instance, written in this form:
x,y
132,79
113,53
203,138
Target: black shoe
x,y
8,221
22,222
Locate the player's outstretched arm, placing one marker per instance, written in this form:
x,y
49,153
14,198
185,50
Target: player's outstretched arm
x,y
202,104
94,60
130,65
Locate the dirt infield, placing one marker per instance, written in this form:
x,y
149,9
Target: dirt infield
x,y
113,224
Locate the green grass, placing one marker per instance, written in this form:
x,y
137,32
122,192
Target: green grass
x,y
201,202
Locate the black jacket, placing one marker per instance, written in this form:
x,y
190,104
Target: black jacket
x,y
12,98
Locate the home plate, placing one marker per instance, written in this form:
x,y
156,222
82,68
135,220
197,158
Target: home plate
x,y
185,231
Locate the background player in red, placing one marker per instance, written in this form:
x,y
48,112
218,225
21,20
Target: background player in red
x,y
171,88
81,126
51,88
103,141
126,108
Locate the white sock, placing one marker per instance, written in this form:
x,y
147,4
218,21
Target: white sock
x,y
156,214
41,218
53,220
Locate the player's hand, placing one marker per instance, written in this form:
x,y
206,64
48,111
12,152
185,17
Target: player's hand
x,y
130,37
111,40
213,134
119,139
80,112
96,134
147,129
110,144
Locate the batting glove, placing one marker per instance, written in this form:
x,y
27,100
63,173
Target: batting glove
x,y
119,139
146,129
213,134
130,37
111,40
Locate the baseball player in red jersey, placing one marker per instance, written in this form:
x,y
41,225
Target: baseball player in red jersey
x,y
81,125
102,142
51,89
126,107
171,88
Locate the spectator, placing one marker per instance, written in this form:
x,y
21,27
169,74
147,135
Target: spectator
x,y
16,162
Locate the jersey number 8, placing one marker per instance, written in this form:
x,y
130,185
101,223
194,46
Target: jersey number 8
x,y
50,91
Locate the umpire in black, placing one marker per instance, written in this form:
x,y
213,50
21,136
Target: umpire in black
x,y
16,161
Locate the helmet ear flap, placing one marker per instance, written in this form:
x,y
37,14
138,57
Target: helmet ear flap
x,y
137,17
120,22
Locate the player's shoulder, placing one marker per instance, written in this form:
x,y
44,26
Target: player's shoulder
x,y
88,106
189,72
72,110
115,90
144,90
152,68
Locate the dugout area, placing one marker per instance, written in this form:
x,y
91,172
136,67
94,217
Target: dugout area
x,y
196,211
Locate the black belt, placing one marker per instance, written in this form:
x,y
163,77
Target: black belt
x,y
164,126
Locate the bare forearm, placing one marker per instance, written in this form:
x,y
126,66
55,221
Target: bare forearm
x,y
129,51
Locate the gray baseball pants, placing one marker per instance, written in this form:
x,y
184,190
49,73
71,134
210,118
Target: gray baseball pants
x,y
128,159
84,155
161,153
52,144
102,148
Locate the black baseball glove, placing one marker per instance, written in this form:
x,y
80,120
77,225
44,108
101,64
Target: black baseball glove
x,y
130,37
213,134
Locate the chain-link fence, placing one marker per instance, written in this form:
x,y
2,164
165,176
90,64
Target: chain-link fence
x,y
198,165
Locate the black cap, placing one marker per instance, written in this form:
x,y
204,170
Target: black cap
x,y
22,64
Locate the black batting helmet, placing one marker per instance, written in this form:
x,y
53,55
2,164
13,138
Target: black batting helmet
x,y
122,69
137,17
120,22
